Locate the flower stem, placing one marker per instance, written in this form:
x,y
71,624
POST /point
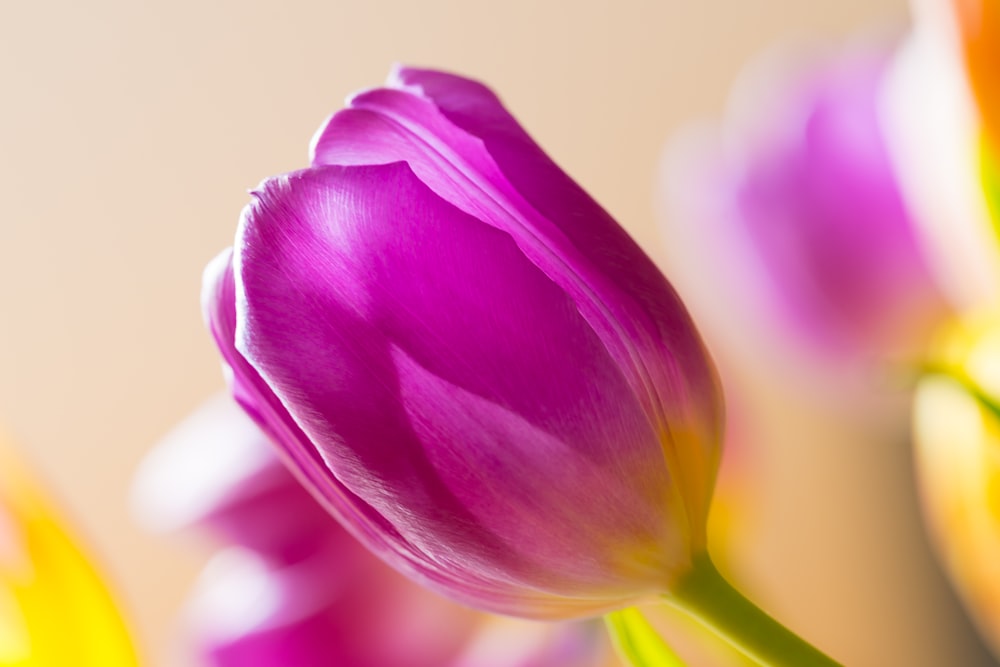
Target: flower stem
x,y
707,596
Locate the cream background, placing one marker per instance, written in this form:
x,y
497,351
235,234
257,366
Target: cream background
x,y
130,132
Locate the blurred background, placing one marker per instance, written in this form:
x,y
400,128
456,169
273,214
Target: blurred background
x,y
130,133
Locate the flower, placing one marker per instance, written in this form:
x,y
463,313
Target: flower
x,y
468,360
979,29
293,588
54,608
937,106
957,438
796,201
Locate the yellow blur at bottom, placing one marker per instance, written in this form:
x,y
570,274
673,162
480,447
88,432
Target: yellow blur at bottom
x,y
957,437
54,609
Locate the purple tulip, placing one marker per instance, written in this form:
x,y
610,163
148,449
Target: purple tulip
x,y
797,207
465,357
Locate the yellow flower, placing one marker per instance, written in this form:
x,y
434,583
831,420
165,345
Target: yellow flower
x,y
957,437
54,609
979,30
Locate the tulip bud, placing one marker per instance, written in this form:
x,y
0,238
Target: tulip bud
x,y
469,360
477,371
957,437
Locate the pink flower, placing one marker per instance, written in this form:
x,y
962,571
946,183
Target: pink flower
x,y
293,588
468,360
795,205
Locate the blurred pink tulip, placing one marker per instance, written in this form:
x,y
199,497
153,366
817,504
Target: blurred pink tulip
x,y
937,108
294,588
794,207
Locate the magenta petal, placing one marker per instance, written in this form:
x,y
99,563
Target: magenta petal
x,y
301,591
217,469
246,613
214,458
445,379
260,403
806,197
324,610
855,259
460,141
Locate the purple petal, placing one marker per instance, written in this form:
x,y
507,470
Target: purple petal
x,y
321,611
214,458
462,143
809,200
857,256
298,453
217,469
456,388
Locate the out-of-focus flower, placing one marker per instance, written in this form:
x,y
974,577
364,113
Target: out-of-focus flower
x,y
934,124
795,203
54,608
816,200
979,30
957,436
478,370
295,589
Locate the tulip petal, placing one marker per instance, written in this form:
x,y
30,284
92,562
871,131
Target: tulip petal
x,y
796,199
260,403
324,610
212,452
218,469
304,461
823,208
333,604
461,142
434,367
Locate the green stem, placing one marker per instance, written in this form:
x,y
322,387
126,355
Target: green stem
x,y
704,594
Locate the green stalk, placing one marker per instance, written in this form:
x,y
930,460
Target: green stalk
x,y
705,595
